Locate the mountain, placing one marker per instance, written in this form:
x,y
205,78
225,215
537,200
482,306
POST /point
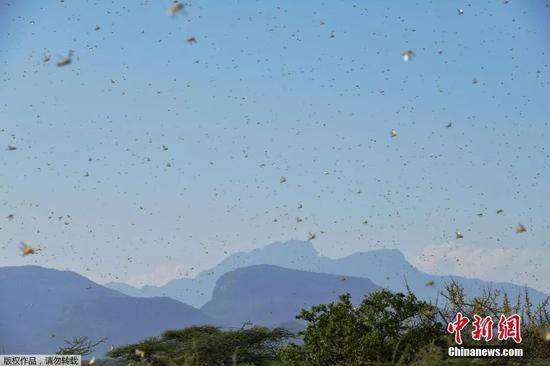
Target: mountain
x,y
387,268
390,269
197,291
269,295
125,289
40,308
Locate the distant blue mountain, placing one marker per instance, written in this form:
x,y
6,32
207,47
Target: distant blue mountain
x,y
272,296
40,308
387,268
126,289
197,291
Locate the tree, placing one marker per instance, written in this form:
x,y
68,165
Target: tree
x,y
206,345
385,327
79,346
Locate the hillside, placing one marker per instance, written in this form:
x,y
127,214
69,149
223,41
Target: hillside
x,y
43,307
270,295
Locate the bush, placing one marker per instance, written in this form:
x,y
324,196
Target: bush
x,y
385,328
206,345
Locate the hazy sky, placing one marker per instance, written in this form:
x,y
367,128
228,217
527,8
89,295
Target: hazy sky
x,y
149,158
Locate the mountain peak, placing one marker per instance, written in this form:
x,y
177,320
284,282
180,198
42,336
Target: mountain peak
x,y
289,253
376,264
289,247
24,274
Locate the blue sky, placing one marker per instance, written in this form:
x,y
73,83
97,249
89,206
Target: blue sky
x,y
271,89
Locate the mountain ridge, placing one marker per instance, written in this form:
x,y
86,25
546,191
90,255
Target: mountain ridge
x,y
270,295
387,268
47,306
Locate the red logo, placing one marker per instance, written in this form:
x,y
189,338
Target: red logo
x,y
483,328
457,326
508,327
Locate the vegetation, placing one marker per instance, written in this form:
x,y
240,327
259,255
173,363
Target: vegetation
x,y
206,346
79,346
384,329
388,328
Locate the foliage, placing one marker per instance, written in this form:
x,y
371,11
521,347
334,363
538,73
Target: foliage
x,y
388,328
206,345
385,328
79,346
